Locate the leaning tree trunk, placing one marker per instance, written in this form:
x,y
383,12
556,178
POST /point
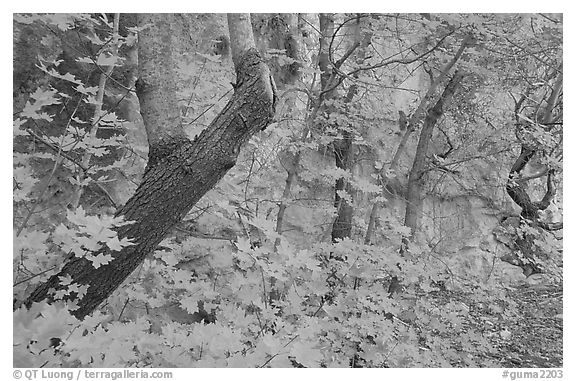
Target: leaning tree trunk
x,y
179,171
414,189
409,126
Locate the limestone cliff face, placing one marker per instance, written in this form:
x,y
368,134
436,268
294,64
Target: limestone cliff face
x,y
460,214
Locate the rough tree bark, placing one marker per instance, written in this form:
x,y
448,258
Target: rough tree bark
x,y
414,188
179,171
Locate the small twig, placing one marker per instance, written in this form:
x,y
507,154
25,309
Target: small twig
x,y
339,63
319,308
34,276
55,149
493,264
74,161
56,165
208,108
274,356
259,321
97,113
404,61
249,177
549,18
243,227
196,81
123,307
391,350
35,205
205,236
264,288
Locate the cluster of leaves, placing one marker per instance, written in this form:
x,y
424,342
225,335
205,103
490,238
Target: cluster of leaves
x,y
88,235
326,306
532,247
82,236
259,299
68,138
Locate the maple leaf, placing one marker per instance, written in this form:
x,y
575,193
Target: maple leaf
x,y
62,20
115,244
54,321
65,280
108,60
100,259
243,244
167,257
306,354
190,303
90,90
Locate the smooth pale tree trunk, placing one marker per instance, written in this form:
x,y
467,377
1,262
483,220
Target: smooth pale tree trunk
x,y
179,171
156,86
415,178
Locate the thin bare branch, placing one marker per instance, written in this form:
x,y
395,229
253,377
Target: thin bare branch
x,y
404,61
